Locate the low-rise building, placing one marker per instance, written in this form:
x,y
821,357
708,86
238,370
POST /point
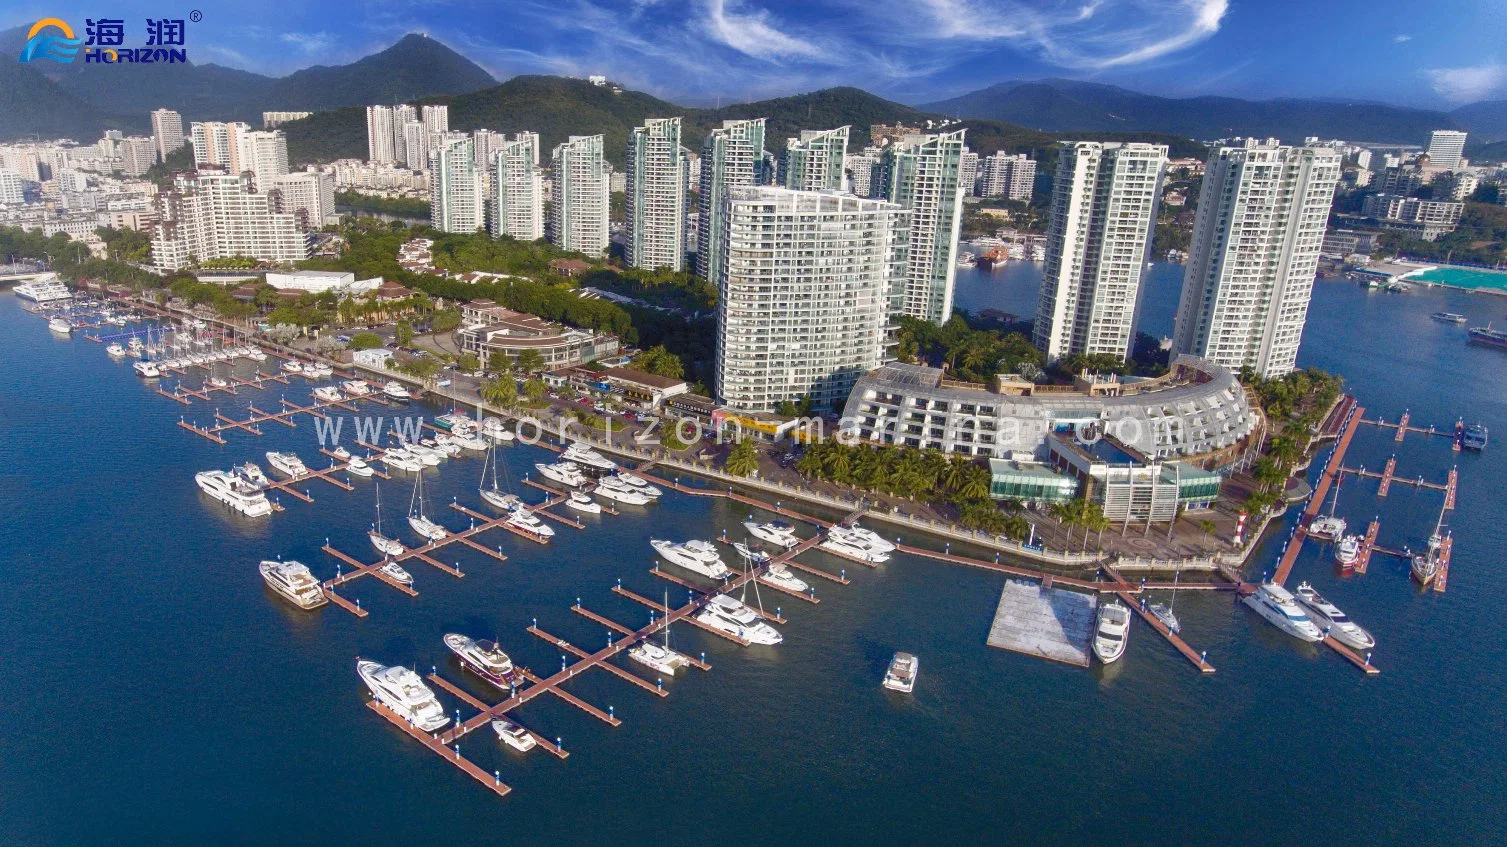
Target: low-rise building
x,y
648,389
1128,485
1030,483
317,282
488,328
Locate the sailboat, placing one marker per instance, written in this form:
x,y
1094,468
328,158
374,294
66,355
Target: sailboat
x,y
662,659
416,517
1329,527
386,546
494,495
1163,611
1426,565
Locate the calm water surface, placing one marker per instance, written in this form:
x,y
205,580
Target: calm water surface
x,y
155,693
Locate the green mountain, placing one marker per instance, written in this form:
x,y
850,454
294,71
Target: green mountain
x,y
31,105
414,67
1486,121
1060,105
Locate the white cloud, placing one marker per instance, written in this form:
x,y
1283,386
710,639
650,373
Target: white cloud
x,y
1401,39
308,42
1463,85
754,32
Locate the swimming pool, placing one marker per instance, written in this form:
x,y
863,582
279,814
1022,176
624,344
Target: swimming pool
x,y
1471,278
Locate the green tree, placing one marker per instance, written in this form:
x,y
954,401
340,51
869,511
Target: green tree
x,y
445,320
530,361
535,389
742,460
468,362
501,392
498,362
659,360
403,333
364,341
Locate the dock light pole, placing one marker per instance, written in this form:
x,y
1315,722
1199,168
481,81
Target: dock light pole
x,y
660,683
496,777
1368,658
611,713
1203,656
559,744
703,657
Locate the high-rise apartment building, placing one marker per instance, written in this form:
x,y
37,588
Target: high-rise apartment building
x,y
1446,148
1256,242
263,153
921,173
1010,177
217,143
380,148
12,190
273,120
167,131
416,146
655,201
209,215
516,206
580,195
137,154
968,171
436,118
731,155
307,195
455,196
814,162
861,171
1104,204
806,281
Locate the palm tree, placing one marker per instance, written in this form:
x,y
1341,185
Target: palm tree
x,y
957,473
838,463
976,482
742,460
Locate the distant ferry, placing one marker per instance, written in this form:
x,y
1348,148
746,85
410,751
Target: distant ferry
x,y
43,290
1489,337
1448,317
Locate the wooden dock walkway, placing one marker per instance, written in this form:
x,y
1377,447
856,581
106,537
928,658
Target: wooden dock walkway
x,y
1332,470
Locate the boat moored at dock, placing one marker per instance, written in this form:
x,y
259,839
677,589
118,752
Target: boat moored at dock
x,y
484,658
1111,631
734,617
529,524
846,543
1474,437
513,735
1330,618
235,492
404,692
780,575
774,532
694,555
395,390
582,503
621,492
287,464
293,582
1276,604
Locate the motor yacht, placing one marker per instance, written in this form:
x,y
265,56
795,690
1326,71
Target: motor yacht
x,y
774,532
287,464
1328,616
493,429
452,421
234,492
400,459
250,472
514,735
611,489
528,523
639,484
395,390
780,575
485,659
320,371
443,443
356,387
755,554
328,394
732,616
469,441
1277,605
565,473
423,455
694,555
115,350
404,692
845,543
291,367
902,672
60,325
293,581
218,382
581,503
1348,550
146,369
341,453
358,466
1111,631
584,455
396,573
256,355
1163,612
875,541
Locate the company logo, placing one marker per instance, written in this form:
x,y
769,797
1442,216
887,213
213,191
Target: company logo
x,y
44,42
104,42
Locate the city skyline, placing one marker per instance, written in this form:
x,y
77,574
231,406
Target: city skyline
x,y
710,49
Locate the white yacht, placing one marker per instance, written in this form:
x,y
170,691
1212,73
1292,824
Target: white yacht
x,y
146,369
356,387
293,367
320,371
1327,528
358,466
528,523
1111,631
395,390
694,555
116,351
845,543
468,440
251,473
492,428
294,582
514,735
658,657
780,575
1348,550
755,554
584,455
396,572
565,473
774,532
620,492
427,528
502,500
218,382
255,354
287,464
736,618
485,659
1328,616
875,541
341,453
639,484
581,503
328,394
902,672
400,459
234,492
1277,605
386,546
43,290
404,692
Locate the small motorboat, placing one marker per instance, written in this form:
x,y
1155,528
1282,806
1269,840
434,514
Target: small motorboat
x,y
582,503
513,735
1348,550
1112,632
359,467
901,674
292,367
396,573
780,575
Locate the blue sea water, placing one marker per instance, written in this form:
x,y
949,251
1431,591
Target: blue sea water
x,y
154,692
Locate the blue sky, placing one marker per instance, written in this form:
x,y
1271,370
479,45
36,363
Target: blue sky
x,y
695,51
